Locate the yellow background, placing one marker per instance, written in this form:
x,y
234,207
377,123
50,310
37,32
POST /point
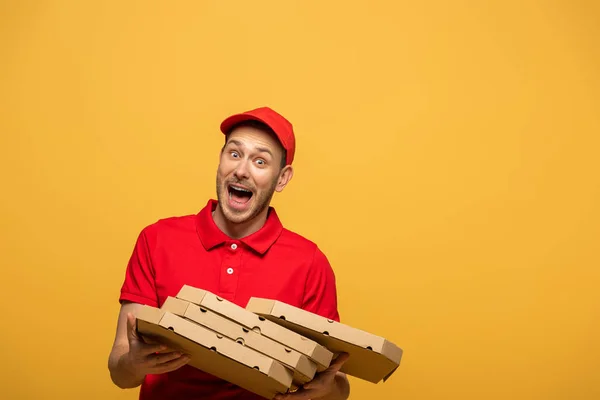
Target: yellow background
x,y
447,165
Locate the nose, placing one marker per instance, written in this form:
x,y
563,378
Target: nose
x,y
241,172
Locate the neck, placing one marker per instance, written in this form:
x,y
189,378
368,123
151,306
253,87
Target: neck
x,y
239,230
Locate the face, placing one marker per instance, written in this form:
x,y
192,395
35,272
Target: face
x,y
249,173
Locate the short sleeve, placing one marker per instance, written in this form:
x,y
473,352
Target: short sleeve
x,y
320,293
139,285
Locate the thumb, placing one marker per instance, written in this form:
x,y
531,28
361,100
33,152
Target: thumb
x,y
330,372
131,328
339,361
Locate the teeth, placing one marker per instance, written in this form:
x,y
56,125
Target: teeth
x,y
240,189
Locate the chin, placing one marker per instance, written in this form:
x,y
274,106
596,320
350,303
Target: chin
x,y
234,216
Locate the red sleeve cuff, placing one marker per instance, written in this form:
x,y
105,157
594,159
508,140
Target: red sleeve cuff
x,y
135,298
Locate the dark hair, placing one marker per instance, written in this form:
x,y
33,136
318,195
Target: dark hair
x,y
264,127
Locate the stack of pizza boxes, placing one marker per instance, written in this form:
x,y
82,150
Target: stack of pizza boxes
x,y
267,348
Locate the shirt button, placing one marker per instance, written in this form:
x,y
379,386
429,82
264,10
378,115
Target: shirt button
x,y
230,270
233,246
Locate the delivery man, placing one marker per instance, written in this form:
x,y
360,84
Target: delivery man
x,y
235,247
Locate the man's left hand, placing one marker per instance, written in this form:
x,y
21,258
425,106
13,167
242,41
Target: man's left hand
x,y
323,384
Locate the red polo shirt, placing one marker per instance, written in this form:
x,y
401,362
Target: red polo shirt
x,y
273,263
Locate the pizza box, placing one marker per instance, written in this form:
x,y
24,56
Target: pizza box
x,y
372,358
215,354
251,321
304,369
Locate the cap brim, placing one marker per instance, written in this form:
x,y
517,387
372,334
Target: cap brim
x,y
230,122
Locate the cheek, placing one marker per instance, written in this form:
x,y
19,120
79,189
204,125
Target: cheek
x,y
224,169
264,179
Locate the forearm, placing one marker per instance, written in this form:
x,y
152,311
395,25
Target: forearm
x,y
121,372
341,389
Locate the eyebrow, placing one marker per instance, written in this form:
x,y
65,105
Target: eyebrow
x,y
264,150
235,142
260,149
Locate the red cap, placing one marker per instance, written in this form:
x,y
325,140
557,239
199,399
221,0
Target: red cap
x,y
282,127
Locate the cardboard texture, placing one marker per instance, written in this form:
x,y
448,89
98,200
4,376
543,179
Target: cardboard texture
x,y
304,370
372,358
215,354
316,352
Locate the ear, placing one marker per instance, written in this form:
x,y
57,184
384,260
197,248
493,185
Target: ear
x,y
285,176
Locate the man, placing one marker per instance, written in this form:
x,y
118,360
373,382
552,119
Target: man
x,y
236,248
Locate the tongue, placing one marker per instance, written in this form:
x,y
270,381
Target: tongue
x,y
240,197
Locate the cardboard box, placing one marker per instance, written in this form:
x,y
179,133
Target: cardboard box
x,y
314,351
304,370
372,358
215,354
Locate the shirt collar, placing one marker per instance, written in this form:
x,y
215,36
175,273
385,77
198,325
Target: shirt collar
x,y
260,241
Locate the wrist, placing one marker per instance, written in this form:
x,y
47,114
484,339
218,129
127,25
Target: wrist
x,y
126,375
341,389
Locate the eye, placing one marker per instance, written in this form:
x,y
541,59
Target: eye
x,y
260,162
234,154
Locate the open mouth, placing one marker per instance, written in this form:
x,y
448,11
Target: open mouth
x,y
239,194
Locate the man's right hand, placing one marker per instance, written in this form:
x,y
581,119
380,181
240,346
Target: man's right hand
x,y
132,358
143,358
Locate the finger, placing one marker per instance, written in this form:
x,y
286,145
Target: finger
x,y
318,381
328,375
339,362
324,377
300,395
312,385
171,365
149,340
158,359
144,349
